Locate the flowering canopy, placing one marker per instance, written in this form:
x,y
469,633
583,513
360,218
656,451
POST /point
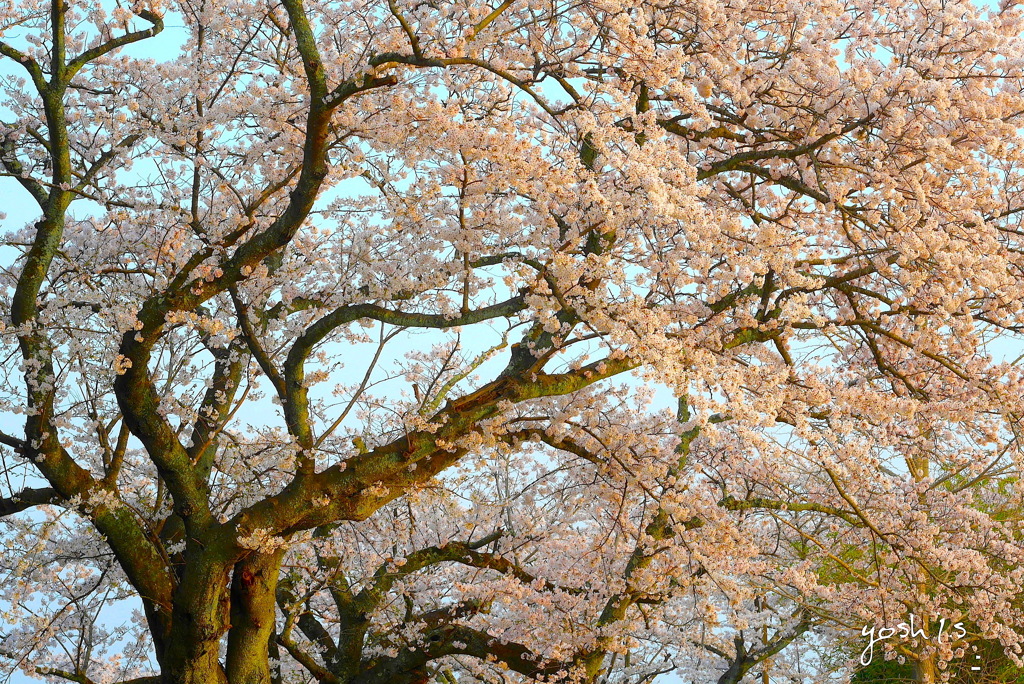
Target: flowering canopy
x,y
800,219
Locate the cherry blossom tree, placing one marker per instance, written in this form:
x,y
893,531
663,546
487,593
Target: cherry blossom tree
x,y
340,340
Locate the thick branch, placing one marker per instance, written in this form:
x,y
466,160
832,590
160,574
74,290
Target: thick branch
x,y
30,65
27,498
364,483
408,666
295,399
9,159
755,503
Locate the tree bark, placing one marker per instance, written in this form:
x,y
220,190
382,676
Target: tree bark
x,y
925,671
198,623
253,610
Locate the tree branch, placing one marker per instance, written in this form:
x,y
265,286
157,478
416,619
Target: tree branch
x,y
27,498
76,64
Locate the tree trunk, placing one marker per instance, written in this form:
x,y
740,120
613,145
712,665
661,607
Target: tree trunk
x,y
738,666
924,670
198,623
253,610
737,669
